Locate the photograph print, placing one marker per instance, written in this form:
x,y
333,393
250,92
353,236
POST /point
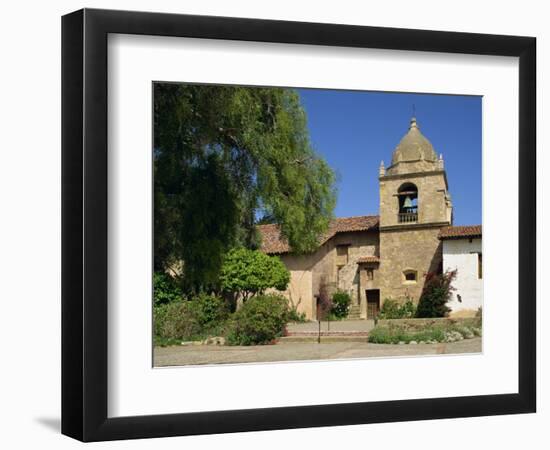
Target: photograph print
x,y
295,224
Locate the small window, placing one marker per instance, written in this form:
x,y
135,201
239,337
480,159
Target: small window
x,y
338,276
370,274
479,266
409,276
342,255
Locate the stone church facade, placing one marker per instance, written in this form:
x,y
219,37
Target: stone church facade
x,y
382,256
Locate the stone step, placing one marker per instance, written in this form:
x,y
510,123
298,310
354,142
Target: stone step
x,y
324,339
328,333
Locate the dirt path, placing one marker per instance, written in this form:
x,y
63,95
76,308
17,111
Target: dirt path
x,y
298,351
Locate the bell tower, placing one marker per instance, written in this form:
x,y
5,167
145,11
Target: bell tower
x,y
414,204
414,189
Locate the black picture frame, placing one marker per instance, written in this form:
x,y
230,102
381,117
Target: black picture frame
x,y
84,224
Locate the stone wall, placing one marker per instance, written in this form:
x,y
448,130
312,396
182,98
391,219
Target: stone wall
x,y
309,272
347,279
416,249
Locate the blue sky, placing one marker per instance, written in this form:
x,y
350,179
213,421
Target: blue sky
x,y
355,130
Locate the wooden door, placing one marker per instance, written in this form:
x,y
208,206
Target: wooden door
x,y
373,303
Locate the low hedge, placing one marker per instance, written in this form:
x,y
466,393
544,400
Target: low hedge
x,y
448,331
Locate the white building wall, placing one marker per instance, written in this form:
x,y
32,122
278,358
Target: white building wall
x,y
461,254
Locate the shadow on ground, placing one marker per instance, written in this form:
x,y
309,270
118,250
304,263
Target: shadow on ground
x,y
52,423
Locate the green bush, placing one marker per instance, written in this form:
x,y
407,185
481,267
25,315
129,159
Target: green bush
x,y
340,304
391,309
209,309
435,295
295,316
198,318
176,321
165,289
259,321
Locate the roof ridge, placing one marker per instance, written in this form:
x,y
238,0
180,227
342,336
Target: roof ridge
x,y
335,218
362,215
272,241
460,231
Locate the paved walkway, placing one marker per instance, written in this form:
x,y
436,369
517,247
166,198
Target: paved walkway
x,y
211,354
336,326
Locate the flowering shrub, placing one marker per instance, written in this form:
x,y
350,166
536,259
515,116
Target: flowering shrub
x,y
435,295
340,304
427,333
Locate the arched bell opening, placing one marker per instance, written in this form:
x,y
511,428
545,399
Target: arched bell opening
x,y
407,196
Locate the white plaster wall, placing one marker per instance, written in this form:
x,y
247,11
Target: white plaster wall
x,y
461,254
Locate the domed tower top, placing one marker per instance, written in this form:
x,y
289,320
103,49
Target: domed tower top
x,y
414,153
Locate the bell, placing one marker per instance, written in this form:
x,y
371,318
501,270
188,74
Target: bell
x,y
408,202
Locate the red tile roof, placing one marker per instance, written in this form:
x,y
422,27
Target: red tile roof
x,y
272,242
460,232
368,259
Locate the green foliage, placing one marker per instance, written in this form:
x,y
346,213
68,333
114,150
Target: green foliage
x,y
222,154
394,335
295,316
392,309
205,237
165,288
259,321
200,317
435,295
208,310
432,331
340,304
248,272
176,321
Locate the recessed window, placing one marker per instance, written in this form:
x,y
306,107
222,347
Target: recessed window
x,y
370,274
409,276
338,269
479,266
342,255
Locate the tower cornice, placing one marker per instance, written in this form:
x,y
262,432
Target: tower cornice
x,y
413,226
404,176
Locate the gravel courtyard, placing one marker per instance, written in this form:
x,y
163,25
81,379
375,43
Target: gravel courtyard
x,y
297,351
